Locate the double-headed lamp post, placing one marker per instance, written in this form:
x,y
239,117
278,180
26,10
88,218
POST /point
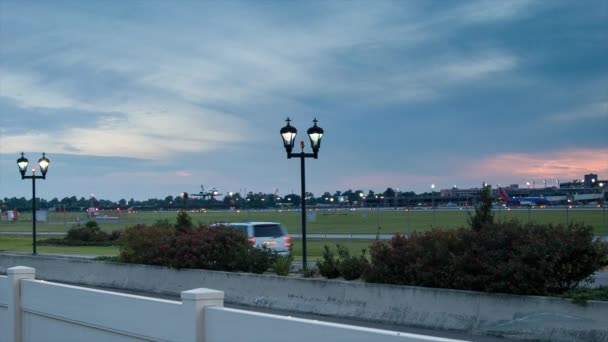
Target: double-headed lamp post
x,y
602,185
315,133
44,167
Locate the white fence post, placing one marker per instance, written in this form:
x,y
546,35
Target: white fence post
x,y
194,302
15,274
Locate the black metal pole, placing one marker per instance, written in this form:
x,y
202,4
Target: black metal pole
x,y
604,208
34,213
433,205
303,178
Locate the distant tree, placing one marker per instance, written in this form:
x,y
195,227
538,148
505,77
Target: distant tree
x,y
389,193
483,211
408,194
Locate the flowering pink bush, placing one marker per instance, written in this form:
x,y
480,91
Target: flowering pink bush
x,y
224,249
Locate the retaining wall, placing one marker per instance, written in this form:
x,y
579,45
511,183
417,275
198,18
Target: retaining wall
x,y
522,317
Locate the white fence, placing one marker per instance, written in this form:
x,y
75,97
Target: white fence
x,y
36,310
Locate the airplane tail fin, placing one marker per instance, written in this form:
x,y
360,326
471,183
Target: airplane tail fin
x,y
504,196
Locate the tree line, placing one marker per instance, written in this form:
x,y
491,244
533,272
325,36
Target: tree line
x,y
250,200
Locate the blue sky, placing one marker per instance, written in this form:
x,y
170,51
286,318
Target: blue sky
x,y
153,98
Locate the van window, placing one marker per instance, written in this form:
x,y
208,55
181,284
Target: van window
x,y
267,230
240,227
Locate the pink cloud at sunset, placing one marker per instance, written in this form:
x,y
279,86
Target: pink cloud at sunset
x,y
567,164
183,173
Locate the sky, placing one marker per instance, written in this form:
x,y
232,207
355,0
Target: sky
x,y
142,99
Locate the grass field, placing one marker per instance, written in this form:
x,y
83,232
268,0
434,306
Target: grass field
x,y
361,221
314,247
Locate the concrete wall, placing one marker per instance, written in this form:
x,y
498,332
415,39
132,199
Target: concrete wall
x,y
45,311
525,317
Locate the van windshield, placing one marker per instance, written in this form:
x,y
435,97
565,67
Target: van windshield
x,y
267,230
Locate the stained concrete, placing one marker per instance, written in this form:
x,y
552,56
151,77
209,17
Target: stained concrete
x,y
521,317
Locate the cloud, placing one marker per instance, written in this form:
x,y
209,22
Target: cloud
x,y
563,164
478,67
590,112
492,11
138,127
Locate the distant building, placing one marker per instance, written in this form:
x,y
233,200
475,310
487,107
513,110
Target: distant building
x,y
575,184
456,192
591,180
514,186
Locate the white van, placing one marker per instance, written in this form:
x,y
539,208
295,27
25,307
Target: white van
x,y
270,234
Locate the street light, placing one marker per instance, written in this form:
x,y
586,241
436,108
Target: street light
x,y
315,133
378,198
44,167
433,201
603,202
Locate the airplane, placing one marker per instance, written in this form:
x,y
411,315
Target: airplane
x,y
522,201
207,194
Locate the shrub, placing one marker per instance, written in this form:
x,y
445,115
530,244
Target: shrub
x,y
90,232
184,221
421,259
282,264
310,272
152,245
225,249
483,211
582,295
115,235
328,265
350,267
258,260
89,235
502,257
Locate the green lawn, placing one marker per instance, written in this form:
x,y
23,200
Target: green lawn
x,y
361,221
314,247
24,244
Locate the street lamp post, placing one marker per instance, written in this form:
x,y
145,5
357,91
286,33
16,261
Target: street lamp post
x,y
315,133
433,201
603,203
378,198
568,201
44,167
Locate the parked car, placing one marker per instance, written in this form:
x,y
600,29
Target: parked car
x,y
270,234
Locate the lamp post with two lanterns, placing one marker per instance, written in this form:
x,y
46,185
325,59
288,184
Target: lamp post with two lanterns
x,y
22,163
602,185
315,133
